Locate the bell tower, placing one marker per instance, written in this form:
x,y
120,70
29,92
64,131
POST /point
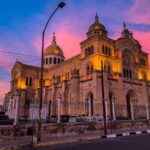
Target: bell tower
x,y
96,32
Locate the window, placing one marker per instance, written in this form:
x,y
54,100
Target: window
x,y
58,79
103,49
58,60
46,60
106,50
50,60
89,69
127,73
89,50
28,81
67,76
142,61
55,60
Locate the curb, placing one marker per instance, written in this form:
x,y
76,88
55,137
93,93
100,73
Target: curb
x,y
109,136
126,134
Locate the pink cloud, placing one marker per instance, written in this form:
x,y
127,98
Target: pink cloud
x,y
4,87
139,12
5,60
144,39
68,40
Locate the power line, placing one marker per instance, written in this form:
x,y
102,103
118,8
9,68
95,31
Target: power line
x,y
16,53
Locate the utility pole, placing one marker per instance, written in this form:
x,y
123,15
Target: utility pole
x,y
103,98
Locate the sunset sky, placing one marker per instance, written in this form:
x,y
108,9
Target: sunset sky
x,y
21,23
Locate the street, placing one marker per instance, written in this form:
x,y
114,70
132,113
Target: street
x,y
136,142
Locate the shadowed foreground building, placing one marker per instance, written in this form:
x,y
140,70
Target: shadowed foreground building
x,y
72,87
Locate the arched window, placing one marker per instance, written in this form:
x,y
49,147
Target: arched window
x,y
103,49
89,50
49,108
55,60
109,51
30,81
106,50
50,60
131,98
26,80
46,61
89,69
112,105
58,60
144,77
67,76
142,61
127,73
89,104
107,67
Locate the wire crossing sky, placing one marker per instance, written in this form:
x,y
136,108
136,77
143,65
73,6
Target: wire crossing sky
x,y
21,23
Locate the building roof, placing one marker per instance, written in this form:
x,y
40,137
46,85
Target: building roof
x,y
53,48
97,28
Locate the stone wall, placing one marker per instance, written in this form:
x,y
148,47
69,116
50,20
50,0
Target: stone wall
x,y
53,129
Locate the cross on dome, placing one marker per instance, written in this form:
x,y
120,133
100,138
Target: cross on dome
x,y
97,18
54,38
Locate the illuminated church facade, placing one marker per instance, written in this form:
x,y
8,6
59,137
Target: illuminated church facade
x,y
73,87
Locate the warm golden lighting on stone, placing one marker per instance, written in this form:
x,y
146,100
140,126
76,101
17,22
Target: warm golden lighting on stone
x,y
21,84
144,74
116,67
140,75
47,82
148,75
37,84
97,59
96,62
63,77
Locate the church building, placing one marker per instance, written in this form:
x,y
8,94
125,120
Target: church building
x,y
73,87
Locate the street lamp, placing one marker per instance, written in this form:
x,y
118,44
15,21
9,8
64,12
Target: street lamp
x,y
60,5
103,99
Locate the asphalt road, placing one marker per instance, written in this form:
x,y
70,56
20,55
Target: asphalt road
x,y
136,142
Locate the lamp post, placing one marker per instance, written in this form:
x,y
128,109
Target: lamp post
x,y
103,99
60,5
17,98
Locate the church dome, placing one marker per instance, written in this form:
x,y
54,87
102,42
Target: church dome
x,y
54,49
96,28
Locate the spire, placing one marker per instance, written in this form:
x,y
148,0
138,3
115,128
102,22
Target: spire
x,y
54,38
97,28
126,33
96,18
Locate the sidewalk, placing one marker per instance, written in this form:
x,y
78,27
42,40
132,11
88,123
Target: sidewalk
x,y
61,139
49,140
